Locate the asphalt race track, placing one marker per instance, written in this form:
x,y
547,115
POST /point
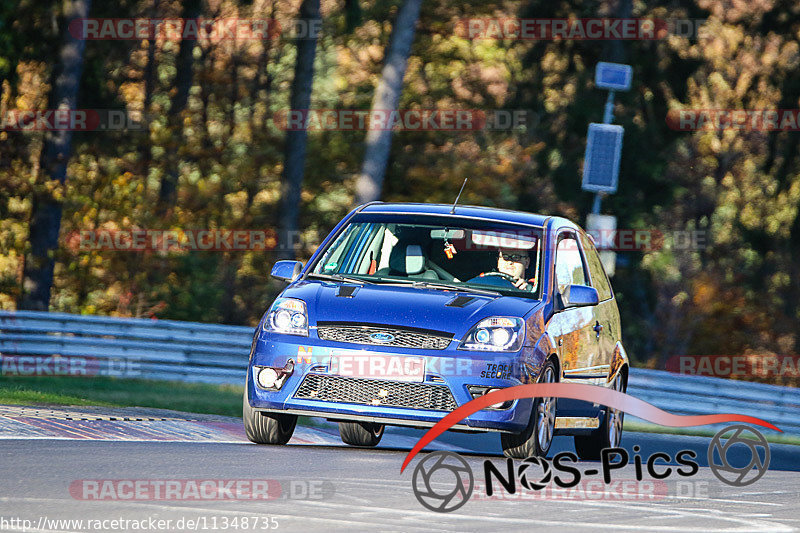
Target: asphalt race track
x,y
317,483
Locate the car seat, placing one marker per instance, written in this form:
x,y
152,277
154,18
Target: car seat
x,y
407,260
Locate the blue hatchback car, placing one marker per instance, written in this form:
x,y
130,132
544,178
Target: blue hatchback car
x,y
407,311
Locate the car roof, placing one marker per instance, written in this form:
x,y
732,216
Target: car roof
x,y
469,211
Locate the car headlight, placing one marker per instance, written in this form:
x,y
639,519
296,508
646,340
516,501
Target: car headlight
x,y
288,315
495,334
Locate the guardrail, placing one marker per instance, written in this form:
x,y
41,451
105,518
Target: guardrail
x,y
190,351
697,395
129,347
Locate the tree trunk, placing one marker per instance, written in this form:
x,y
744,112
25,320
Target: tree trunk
x,y
234,91
792,294
352,15
258,82
387,97
295,150
37,276
145,154
168,191
614,50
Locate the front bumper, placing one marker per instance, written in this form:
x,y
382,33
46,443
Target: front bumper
x,y
449,369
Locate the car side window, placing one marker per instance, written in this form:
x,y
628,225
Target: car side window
x,y
569,265
598,273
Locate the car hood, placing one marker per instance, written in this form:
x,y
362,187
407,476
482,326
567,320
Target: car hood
x,y
403,306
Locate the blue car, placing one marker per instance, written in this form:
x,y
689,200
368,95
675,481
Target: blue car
x,y
407,311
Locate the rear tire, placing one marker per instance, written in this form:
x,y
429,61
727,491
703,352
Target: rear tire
x,y
266,428
535,441
361,433
608,435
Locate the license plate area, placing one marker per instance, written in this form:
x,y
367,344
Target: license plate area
x,y
379,366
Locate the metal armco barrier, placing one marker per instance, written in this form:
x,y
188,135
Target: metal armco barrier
x,y
209,353
696,395
130,347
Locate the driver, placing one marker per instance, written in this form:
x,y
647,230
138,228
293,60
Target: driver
x,y
513,264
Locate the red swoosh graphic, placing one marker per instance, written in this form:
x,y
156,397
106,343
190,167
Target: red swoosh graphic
x,y
576,391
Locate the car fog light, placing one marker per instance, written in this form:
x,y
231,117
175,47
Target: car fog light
x,y
476,391
267,378
495,405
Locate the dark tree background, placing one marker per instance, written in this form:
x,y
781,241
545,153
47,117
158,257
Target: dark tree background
x,y
205,152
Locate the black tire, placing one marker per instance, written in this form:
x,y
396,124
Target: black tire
x,y
588,447
361,433
530,443
266,428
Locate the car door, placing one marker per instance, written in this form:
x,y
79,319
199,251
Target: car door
x,y
574,329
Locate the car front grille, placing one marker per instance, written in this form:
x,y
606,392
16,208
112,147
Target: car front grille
x,y
398,337
376,392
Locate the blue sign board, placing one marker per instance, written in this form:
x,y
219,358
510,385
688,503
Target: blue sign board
x,y
601,161
613,76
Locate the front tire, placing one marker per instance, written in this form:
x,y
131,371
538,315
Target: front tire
x,y
264,428
535,441
361,433
608,435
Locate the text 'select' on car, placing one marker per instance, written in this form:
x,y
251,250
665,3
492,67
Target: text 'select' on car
x,y
407,311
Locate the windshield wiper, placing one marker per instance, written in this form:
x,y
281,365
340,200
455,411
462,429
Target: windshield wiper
x,y
340,277
429,285
421,284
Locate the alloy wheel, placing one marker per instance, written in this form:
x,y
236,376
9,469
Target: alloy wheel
x,y
546,413
615,418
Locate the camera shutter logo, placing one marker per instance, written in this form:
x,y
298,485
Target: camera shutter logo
x,y
525,469
439,482
737,476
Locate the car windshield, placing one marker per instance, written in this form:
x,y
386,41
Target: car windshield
x,y
436,252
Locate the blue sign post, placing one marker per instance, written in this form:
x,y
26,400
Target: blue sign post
x,y
603,153
614,77
604,141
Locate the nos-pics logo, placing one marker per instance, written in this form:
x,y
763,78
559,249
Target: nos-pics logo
x,y
452,477
742,436
444,481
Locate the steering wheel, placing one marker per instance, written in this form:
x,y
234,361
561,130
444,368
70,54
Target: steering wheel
x,y
511,280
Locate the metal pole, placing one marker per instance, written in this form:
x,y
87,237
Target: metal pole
x,y
608,115
596,206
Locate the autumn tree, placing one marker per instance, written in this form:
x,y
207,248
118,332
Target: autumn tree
x,y
387,97
296,139
55,155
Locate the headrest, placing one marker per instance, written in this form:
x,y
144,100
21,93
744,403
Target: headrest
x,y
407,259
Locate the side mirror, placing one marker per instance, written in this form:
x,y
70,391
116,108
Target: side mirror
x,y
286,270
580,296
